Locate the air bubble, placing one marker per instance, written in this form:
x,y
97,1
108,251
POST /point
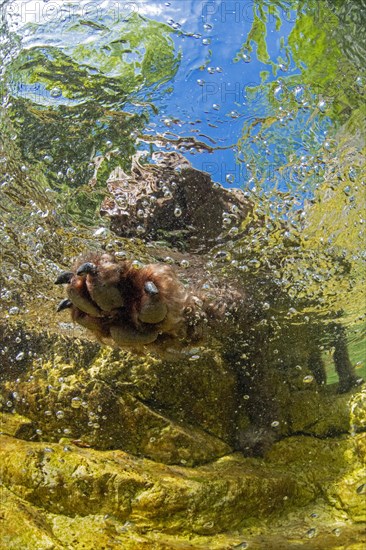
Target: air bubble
x,y
76,402
56,92
20,356
299,93
121,255
206,41
322,106
184,264
278,93
352,174
308,379
311,533
222,256
60,414
359,81
230,178
177,212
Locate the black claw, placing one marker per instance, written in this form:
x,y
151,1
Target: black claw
x,y
64,304
150,288
86,268
64,277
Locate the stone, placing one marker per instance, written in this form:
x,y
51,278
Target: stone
x,y
69,496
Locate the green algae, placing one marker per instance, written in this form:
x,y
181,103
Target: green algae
x,y
121,498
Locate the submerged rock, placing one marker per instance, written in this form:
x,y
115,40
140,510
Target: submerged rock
x,y
173,201
103,448
188,411
61,495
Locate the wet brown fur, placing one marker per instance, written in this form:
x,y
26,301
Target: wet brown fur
x,y
130,282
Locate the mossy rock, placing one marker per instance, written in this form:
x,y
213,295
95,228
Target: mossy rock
x,y
65,497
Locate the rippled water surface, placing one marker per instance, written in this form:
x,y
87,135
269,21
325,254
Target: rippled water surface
x,y
266,95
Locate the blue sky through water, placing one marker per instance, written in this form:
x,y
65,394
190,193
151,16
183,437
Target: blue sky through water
x,y
213,102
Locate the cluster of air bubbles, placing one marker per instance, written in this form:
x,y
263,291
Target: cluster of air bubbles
x,y
226,219
213,70
174,24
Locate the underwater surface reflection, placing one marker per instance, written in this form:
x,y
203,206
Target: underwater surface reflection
x,y
128,128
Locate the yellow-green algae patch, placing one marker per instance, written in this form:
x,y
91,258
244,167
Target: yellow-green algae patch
x,y
306,491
